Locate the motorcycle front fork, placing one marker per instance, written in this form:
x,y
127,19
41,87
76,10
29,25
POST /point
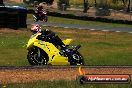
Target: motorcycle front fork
x,y
35,17
39,56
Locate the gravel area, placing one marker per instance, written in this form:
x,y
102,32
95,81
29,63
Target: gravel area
x,y
21,75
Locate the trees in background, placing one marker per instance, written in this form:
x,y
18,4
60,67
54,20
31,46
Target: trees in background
x,y
113,4
85,6
126,4
63,4
1,2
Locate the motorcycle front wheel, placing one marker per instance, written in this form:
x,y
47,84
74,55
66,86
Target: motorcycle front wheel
x,y
76,59
35,18
45,19
36,56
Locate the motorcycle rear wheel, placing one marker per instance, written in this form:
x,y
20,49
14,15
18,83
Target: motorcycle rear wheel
x,y
33,58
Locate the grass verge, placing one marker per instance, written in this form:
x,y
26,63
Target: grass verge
x,y
98,48
81,22
64,84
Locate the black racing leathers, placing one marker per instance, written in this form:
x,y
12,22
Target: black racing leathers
x,y
52,37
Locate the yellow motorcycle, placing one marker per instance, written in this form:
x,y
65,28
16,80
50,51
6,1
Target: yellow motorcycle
x,y
42,52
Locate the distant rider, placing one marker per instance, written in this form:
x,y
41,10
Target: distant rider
x,y
39,9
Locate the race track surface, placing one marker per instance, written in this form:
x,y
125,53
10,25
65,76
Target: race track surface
x,y
102,28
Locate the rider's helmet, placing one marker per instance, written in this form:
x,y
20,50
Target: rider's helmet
x,y
40,8
36,28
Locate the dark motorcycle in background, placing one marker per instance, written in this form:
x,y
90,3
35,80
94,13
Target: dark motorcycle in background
x,y
42,16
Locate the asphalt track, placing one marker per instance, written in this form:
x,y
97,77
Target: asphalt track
x,y
77,26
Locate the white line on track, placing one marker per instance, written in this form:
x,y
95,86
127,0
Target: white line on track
x,y
129,32
44,25
89,29
117,31
92,29
66,27
55,26
105,30
80,28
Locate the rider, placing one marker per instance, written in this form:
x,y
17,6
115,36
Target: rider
x,y
49,36
39,10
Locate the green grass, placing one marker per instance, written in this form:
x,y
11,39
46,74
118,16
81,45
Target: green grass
x,y
64,84
12,48
98,48
81,22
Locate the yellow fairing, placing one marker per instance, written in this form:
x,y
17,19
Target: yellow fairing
x,y
67,41
32,40
53,53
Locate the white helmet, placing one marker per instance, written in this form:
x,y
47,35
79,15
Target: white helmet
x,y
35,28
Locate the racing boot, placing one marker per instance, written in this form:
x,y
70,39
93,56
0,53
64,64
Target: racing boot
x,y
65,50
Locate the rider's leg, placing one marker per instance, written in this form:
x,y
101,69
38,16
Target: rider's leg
x,y
58,41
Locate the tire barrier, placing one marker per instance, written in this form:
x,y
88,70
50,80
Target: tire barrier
x,y
13,17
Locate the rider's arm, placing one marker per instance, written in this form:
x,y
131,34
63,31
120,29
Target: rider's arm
x,y
47,32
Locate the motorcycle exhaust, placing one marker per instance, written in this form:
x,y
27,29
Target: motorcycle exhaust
x,y
76,47
67,51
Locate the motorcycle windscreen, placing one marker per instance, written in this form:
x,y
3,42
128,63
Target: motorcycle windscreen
x,y
32,40
67,41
